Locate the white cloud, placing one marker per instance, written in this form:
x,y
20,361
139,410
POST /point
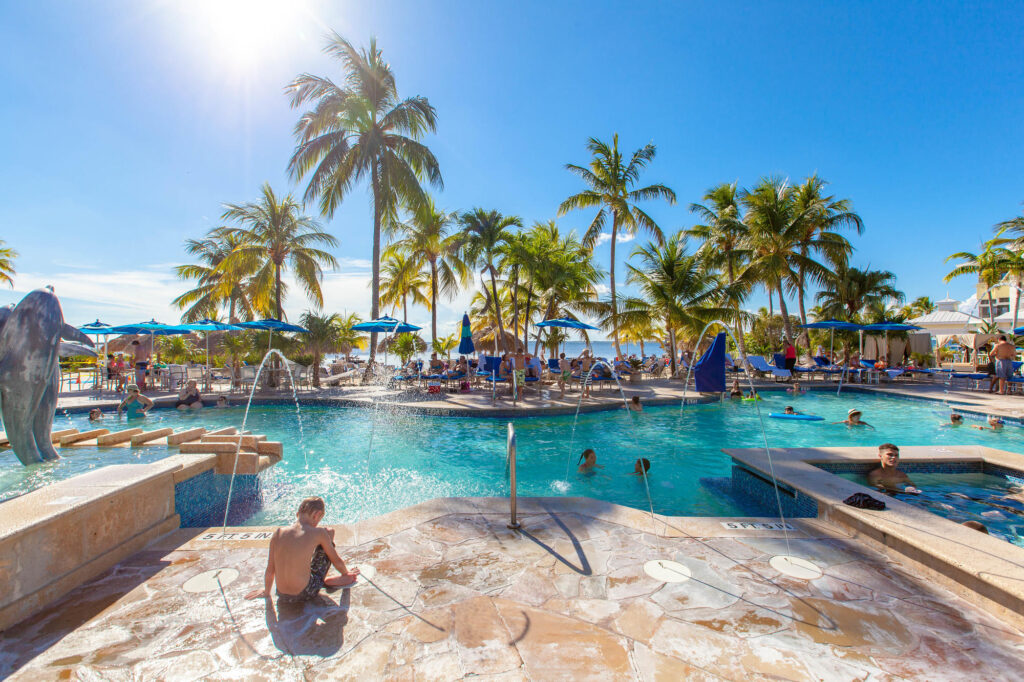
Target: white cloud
x,y
602,289
623,237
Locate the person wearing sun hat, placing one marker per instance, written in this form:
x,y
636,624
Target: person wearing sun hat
x,y
853,419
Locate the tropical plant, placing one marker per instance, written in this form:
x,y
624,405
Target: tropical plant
x,y
988,265
7,256
611,187
674,289
236,345
483,235
176,350
215,287
402,279
922,305
426,238
360,130
849,291
349,338
276,236
444,345
322,337
405,345
778,228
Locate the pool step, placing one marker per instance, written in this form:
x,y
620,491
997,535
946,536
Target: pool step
x,y
147,436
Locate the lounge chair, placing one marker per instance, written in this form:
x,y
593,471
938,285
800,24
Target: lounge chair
x,y
761,365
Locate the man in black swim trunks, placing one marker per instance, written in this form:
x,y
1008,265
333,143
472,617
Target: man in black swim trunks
x,y
300,556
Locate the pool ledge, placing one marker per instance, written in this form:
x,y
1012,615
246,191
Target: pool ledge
x,y
983,569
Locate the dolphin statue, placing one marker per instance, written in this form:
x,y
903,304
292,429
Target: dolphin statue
x,y
30,346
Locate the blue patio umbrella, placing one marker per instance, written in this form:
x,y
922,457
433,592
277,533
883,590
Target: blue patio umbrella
x,y
832,326
208,325
98,329
387,325
466,346
566,323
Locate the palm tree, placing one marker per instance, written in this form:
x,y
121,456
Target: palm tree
x,y
349,338
274,236
237,346
362,130
483,234
724,238
175,349
215,287
402,278
849,291
922,305
322,337
674,289
611,185
7,256
427,238
826,215
988,266
778,227
444,345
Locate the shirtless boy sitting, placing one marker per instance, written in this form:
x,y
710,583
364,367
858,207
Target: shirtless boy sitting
x,y
888,475
300,556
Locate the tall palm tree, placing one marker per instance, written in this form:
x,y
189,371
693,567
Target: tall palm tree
x,y
988,265
7,256
215,287
778,238
724,246
826,215
427,237
322,337
851,290
483,235
611,185
674,289
360,130
922,305
275,236
402,279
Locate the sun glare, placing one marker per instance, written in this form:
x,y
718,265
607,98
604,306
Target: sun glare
x,y
245,33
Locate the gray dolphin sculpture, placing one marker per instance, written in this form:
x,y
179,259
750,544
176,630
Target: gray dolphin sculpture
x,y
30,345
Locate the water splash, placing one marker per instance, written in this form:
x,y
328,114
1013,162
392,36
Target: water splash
x,y
584,389
245,418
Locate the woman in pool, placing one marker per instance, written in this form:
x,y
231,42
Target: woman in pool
x,y
189,398
634,404
135,405
589,462
853,419
641,466
736,391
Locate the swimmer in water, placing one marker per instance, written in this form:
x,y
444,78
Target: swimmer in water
x,y
589,459
644,463
634,404
795,389
853,419
736,391
994,424
955,420
887,475
789,410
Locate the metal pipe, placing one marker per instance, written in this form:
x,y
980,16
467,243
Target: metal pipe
x,y
510,450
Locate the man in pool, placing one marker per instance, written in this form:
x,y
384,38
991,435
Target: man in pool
x,y
634,404
887,475
641,467
300,556
789,410
956,419
853,419
994,424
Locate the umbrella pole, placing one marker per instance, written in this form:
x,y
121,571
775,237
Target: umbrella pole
x,y
207,386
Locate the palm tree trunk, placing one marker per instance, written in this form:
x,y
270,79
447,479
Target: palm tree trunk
x,y
405,311
547,316
375,278
277,288
231,311
741,345
315,369
786,326
526,319
497,308
515,305
804,334
1016,305
615,307
433,301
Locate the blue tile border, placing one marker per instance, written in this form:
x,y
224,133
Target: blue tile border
x,y
751,484
200,500
969,467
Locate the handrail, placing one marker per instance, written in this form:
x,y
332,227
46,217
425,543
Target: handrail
x,y
510,469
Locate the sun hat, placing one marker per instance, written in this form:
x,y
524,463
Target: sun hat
x,y
853,411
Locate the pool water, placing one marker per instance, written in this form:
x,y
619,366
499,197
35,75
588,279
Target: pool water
x,y
986,498
417,458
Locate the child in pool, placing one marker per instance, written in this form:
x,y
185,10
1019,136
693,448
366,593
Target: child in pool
x,y
589,459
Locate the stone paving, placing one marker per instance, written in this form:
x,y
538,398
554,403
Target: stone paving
x,y
454,593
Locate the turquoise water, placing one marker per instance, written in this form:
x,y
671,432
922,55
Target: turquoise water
x,y
988,499
417,458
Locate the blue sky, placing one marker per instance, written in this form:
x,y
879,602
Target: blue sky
x,y
125,125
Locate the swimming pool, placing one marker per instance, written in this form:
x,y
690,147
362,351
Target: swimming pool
x,y
417,458
989,499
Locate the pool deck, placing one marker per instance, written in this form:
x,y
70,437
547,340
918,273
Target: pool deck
x,y
455,593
